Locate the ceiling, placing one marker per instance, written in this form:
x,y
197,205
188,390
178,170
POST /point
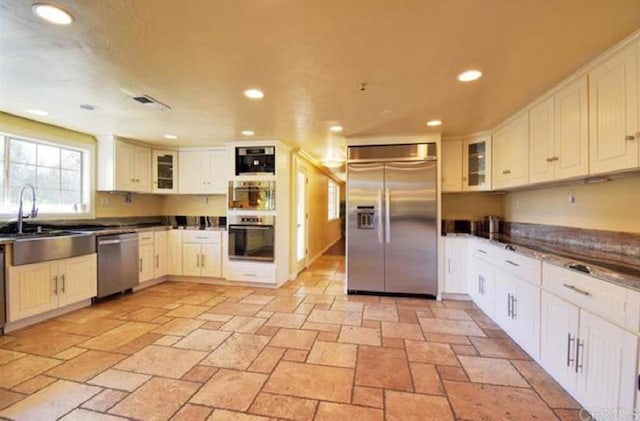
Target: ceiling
x,y
309,57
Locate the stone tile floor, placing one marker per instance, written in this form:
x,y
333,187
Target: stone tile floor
x,y
185,351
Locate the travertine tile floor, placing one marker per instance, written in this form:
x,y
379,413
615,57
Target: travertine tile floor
x,y
186,351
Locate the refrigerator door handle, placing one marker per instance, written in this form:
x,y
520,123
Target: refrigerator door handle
x,y
380,227
387,216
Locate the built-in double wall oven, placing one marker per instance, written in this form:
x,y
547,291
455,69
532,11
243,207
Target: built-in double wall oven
x,y
251,237
252,195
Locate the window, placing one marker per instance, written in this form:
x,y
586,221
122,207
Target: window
x,y
333,200
59,174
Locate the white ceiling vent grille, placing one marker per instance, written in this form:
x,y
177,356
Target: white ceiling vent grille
x,y
151,102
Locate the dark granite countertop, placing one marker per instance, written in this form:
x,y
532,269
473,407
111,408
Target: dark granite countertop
x,y
615,268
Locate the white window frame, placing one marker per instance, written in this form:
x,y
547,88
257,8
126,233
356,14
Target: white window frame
x,y
333,201
87,210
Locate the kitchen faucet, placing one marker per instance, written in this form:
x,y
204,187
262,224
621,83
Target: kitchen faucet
x,y
34,210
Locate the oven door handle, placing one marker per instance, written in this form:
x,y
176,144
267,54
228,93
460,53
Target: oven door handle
x,y
249,227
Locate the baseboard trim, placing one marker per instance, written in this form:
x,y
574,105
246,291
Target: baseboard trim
x,y
220,282
19,324
455,296
323,251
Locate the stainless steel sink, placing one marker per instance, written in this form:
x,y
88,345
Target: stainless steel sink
x,y
51,245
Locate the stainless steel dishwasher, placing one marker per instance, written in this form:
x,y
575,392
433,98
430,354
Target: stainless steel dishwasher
x,y
117,263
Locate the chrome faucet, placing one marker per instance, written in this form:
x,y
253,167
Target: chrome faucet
x,y
34,210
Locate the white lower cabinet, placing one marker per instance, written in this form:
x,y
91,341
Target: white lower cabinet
x,y
146,256
455,280
40,287
202,254
481,285
247,271
517,310
161,253
593,359
175,252
583,331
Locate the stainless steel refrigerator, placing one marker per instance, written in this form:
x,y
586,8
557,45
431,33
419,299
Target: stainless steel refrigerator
x,y
392,219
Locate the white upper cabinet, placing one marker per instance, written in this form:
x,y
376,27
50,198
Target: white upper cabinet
x,y
476,164
133,167
466,164
541,142
510,153
452,166
165,171
558,135
571,151
203,171
613,113
123,166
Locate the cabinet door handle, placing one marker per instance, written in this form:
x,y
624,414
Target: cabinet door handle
x,y
481,251
512,263
253,275
479,284
202,260
505,172
157,261
514,307
509,305
550,159
197,260
140,265
55,279
449,266
578,290
569,341
556,158
63,283
579,346
630,137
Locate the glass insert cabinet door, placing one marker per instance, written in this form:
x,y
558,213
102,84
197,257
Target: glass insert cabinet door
x,y
165,170
477,152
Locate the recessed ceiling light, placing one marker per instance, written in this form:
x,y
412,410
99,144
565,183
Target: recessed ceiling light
x,y
37,112
336,129
434,123
52,14
469,75
170,136
254,93
248,133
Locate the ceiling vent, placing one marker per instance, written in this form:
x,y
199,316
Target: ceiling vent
x,y
151,102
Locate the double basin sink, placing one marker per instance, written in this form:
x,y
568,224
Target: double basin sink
x,y
53,244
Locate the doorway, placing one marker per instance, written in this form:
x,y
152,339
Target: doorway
x,y
302,218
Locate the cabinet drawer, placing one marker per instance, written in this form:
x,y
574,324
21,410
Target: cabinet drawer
x,y
614,303
521,266
197,236
145,238
482,250
263,273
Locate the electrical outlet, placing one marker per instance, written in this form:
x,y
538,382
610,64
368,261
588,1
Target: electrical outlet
x,y
572,197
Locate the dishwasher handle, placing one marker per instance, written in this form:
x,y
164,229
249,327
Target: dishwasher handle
x,y
116,241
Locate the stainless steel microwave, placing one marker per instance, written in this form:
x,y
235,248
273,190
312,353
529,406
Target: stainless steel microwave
x,y
252,195
256,160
